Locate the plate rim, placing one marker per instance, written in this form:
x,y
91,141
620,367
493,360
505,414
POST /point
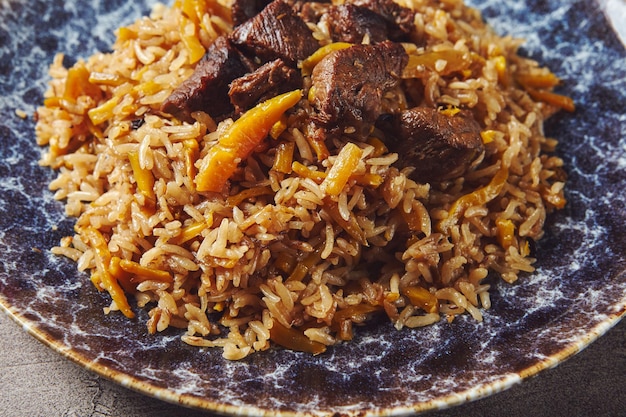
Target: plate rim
x,y
503,383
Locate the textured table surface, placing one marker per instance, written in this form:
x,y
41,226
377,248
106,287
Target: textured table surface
x,y
36,381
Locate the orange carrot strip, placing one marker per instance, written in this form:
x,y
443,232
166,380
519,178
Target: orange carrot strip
x,y
368,179
236,199
123,277
477,198
143,273
306,172
505,230
558,100
379,146
188,232
240,140
422,298
77,84
309,63
344,166
355,312
108,281
543,80
284,157
143,177
294,339
351,226
303,266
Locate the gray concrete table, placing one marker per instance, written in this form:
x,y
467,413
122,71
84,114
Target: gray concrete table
x,y
36,381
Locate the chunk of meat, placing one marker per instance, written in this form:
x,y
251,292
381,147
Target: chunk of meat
x,y
243,10
310,11
267,81
400,19
350,23
348,85
207,87
276,32
437,145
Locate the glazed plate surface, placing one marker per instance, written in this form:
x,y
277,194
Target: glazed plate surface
x,y
577,293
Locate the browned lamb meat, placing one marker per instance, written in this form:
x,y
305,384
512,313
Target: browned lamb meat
x,y
243,10
349,84
310,11
350,23
400,19
207,88
440,146
267,81
276,32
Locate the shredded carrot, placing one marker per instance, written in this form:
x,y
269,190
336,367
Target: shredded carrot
x,y
143,177
77,84
548,97
379,146
355,312
106,78
293,339
479,197
422,298
240,140
501,69
279,127
309,63
338,175
351,226
108,281
142,273
319,146
125,34
342,320
488,136
236,199
540,80
189,36
284,157
306,172
412,221
449,111
302,267
188,232
123,277
505,232
103,112
368,179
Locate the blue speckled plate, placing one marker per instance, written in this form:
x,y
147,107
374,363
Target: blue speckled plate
x,y
577,293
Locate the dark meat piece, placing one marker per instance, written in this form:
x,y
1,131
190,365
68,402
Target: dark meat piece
x,y
268,81
207,88
350,23
349,84
400,19
310,11
242,10
276,32
439,146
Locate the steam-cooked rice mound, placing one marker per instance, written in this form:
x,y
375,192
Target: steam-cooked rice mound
x,y
299,208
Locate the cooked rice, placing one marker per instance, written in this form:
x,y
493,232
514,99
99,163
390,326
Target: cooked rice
x,y
236,265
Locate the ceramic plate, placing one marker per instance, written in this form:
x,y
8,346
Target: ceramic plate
x,y
577,293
